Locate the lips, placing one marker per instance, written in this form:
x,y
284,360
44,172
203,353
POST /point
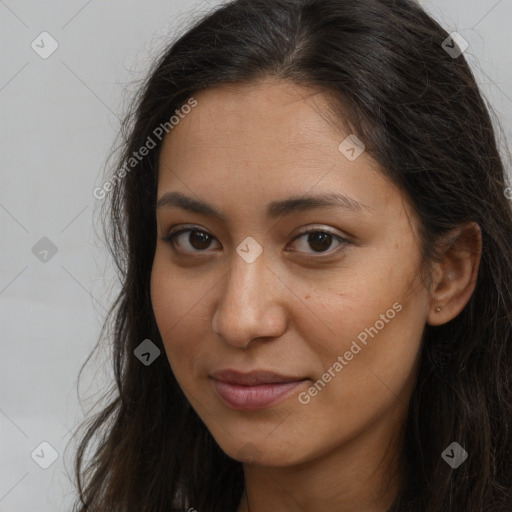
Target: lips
x,y
253,390
253,378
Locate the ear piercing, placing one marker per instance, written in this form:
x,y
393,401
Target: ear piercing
x,y
438,309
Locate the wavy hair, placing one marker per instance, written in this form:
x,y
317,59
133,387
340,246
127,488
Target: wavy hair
x,y
422,117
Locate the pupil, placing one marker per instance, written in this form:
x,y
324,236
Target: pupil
x,y
323,239
199,239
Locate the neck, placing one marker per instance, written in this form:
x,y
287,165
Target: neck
x,y
363,474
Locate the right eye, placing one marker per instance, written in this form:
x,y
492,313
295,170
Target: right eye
x,y
197,239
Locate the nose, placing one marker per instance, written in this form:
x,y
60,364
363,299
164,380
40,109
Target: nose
x,y
250,304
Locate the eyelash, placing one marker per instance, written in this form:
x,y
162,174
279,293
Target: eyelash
x,y
170,239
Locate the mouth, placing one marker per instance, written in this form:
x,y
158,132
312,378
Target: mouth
x,y
253,390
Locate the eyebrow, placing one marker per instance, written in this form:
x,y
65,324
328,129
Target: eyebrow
x,y
275,209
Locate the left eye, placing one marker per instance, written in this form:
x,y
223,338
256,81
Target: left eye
x,y
318,240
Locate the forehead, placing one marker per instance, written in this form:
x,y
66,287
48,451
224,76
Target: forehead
x,y
267,119
266,139
265,123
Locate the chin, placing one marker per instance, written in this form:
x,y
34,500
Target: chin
x,y
262,454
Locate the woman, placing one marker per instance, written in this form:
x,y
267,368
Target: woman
x,y
314,237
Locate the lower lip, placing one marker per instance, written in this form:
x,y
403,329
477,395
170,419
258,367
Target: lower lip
x,y
247,398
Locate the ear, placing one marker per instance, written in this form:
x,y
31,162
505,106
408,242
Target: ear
x,y
454,278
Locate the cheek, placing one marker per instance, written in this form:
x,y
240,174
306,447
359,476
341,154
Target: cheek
x,y
175,295
378,353
171,302
163,298
374,319
180,309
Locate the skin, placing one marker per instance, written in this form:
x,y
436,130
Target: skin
x,y
294,309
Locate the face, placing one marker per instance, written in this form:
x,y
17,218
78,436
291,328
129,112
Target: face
x,y
327,295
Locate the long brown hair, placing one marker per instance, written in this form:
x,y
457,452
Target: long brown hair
x,y
421,116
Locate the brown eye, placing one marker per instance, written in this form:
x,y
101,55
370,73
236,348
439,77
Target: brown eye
x,y
190,240
319,241
199,239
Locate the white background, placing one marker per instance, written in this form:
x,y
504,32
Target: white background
x,y
59,118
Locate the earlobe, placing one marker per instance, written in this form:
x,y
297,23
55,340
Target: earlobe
x,y
456,275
